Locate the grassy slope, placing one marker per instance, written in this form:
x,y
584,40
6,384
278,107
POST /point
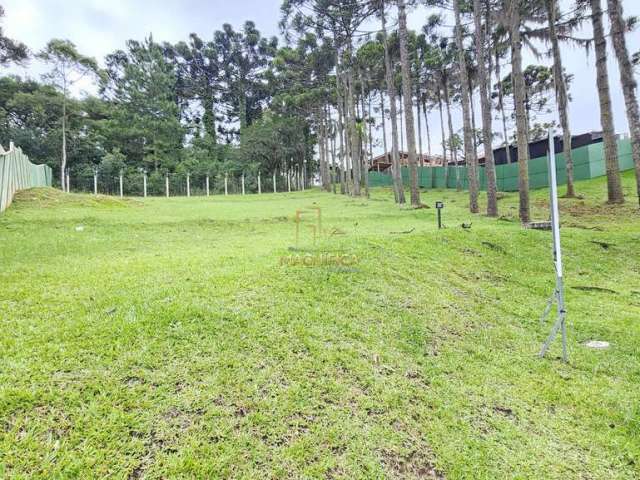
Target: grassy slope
x,y
166,340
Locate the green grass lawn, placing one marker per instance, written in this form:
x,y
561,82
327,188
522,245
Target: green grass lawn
x,y
165,339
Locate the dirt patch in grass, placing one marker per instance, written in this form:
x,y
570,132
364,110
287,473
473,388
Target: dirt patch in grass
x,y
415,465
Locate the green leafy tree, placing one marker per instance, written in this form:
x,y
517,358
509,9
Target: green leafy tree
x,y
11,51
68,67
145,123
244,56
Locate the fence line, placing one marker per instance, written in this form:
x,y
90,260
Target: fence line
x,y
18,173
143,184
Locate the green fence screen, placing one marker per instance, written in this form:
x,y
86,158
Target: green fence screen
x,y
588,162
18,173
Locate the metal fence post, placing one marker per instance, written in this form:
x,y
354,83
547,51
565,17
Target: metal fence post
x,y
207,185
226,184
259,185
144,184
188,185
121,185
166,184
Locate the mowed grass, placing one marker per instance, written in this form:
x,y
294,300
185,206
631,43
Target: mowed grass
x,y
164,339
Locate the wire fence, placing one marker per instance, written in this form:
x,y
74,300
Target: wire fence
x,y
143,184
18,173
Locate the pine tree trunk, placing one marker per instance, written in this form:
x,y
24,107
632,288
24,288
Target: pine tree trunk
x,y
341,125
445,160
521,114
562,97
333,160
353,131
466,114
401,117
452,147
326,119
627,78
391,93
420,156
485,105
614,185
426,123
384,124
342,158
63,164
505,130
321,151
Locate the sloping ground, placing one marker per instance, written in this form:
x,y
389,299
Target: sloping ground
x,y
165,339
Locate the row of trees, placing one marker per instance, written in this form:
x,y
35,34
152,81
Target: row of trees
x,y
198,107
440,66
240,102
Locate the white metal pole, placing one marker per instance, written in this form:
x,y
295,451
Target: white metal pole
x,y
166,185
560,324
275,187
188,185
243,183
95,183
68,181
289,180
121,186
207,185
259,185
555,212
144,184
226,184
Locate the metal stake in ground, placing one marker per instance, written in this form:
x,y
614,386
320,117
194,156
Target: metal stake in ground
x,y
439,207
558,294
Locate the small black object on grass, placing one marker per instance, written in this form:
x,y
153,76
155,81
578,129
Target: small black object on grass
x,y
439,207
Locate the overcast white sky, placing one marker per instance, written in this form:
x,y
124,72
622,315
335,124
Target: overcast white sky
x,y
99,27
